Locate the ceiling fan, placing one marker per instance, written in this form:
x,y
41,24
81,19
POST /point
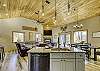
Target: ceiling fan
x,y
37,13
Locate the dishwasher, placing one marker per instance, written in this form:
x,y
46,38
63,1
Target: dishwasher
x,y
39,62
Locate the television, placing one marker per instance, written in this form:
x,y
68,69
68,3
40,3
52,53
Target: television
x,y
47,32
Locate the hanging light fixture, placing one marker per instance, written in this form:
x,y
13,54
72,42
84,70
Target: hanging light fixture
x,y
44,2
42,8
68,8
77,26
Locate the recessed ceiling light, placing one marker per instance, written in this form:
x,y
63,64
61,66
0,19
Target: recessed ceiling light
x,y
4,5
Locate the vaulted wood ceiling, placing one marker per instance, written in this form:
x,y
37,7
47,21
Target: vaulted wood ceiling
x,y
27,9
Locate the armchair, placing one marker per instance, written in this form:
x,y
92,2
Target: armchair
x,y
22,50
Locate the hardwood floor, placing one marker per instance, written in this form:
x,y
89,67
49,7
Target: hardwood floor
x,y
92,66
12,62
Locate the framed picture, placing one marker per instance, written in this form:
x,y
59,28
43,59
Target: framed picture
x,y
96,34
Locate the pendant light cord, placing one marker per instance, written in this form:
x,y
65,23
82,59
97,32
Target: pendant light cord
x,y
55,11
77,16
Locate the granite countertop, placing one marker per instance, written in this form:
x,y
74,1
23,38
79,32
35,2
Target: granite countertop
x,y
54,50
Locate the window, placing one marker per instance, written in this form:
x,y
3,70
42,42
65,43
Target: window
x,y
55,38
18,36
38,37
80,36
64,39
67,39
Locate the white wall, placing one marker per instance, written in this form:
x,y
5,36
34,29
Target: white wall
x,y
91,24
15,24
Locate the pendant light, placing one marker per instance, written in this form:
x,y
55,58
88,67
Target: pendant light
x,y
68,7
77,26
42,8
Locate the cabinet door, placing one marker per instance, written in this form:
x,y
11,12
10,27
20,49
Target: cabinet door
x,y
55,65
68,65
80,65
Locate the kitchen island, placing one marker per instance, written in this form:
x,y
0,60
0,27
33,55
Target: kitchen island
x,y
41,59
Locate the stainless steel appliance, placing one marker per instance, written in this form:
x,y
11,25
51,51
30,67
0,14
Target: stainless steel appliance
x,y
40,62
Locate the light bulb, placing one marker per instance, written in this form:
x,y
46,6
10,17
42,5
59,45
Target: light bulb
x,y
68,13
47,25
53,18
6,14
81,25
42,14
74,26
4,5
55,21
64,18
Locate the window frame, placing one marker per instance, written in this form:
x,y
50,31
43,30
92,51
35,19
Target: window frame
x,y
17,32
64,33
81,30
41,37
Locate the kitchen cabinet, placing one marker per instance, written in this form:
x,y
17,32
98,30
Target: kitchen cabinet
x,y
55,65
46,60
80,65
39,62
62,62
68,65
67,62
62,65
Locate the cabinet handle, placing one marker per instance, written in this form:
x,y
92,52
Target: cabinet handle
x,y
63,60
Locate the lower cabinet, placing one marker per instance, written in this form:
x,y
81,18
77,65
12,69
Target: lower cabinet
x,y
56,62
80,65
69,65
55,65
39,62
62,65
